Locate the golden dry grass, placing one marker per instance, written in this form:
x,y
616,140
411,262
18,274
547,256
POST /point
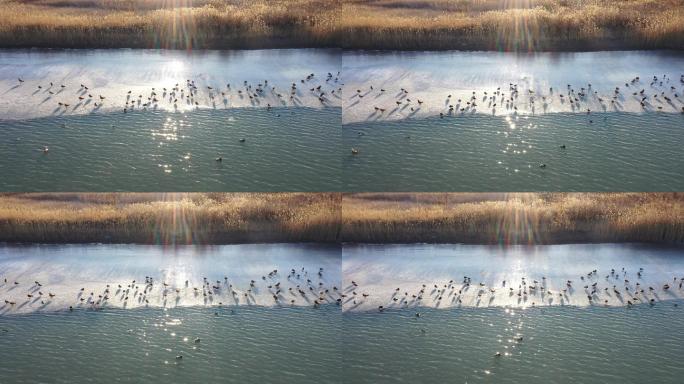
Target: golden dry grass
x,y
513,218
181,24
515,25
217,218
523,25
169,218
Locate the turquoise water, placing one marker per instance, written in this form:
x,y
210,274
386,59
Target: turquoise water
x,y
304,345
642,344
284,149
571,341
603,152
298,147
263,342
246,345
251,340
303,149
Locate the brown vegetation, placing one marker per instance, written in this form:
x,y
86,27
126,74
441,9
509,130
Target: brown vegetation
x,y
513,25
513,218
218,218
169,218
182,24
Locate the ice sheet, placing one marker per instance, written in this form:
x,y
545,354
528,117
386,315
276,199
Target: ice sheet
x,y
113,73
72,272
379,270
432,76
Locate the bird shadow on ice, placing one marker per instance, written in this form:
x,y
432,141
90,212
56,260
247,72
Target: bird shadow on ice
x,y
353,104
12,88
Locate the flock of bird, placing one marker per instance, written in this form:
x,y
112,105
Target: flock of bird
x,y
298,287
654,94
514,97
190,94
614,288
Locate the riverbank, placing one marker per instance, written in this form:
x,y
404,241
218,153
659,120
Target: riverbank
x,y
517,218
536,25
169,218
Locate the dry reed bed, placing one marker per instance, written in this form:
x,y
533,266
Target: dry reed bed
x,y
169,218
201,218
523,25
163,24
513,218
